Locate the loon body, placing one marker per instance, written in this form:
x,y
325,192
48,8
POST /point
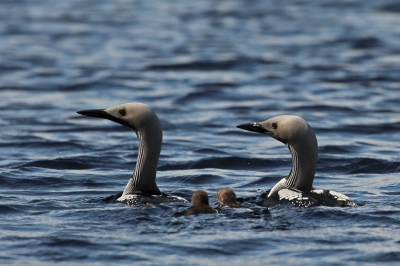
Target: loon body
x,y
297,187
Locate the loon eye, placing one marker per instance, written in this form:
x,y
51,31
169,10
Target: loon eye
x,y
122,112
275,125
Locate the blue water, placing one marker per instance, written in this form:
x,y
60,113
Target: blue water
x,y
204,67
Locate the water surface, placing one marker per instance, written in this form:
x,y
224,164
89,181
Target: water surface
x,y
204,67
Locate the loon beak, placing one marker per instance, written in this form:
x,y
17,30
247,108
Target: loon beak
x,y
103,114
95,113
255,127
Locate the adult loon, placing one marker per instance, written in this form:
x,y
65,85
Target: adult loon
x,y
142,187
297,187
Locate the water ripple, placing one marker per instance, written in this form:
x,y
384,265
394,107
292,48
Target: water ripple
x,y
204,67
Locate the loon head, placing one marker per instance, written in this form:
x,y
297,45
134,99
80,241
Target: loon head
x,y
298,136
289,129
137,116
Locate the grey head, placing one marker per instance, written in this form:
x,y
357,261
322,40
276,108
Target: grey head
x,y
298,136
142,119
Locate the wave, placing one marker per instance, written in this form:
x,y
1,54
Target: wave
x,y
353,166
209,65
56,164
228,163
7,209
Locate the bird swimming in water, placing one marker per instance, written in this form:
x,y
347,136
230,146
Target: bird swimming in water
x,y
297,187
227,198
142,187
200,204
